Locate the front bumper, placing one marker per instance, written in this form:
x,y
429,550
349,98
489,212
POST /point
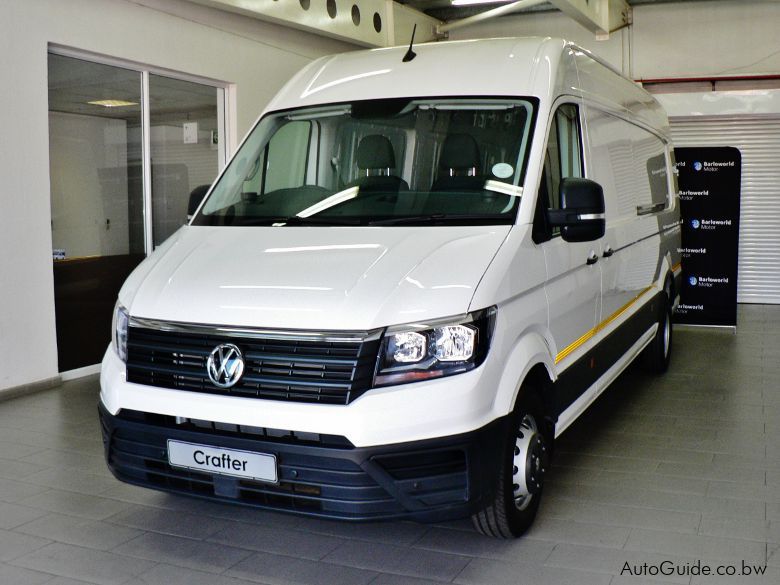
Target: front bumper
x,y
319,475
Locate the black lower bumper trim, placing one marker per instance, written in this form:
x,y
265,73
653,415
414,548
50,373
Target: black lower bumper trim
x,y
431,480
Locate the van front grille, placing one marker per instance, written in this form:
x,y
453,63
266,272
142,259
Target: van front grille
x,y
327,370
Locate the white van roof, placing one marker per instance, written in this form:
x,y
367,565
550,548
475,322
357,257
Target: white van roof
x,y
544,68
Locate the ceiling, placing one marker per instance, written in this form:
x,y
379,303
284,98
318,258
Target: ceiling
x,y
443,9
73,83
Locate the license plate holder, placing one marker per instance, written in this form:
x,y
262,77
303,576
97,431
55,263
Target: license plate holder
x,y
223,461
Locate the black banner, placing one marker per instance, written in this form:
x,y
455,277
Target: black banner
x,y
709,180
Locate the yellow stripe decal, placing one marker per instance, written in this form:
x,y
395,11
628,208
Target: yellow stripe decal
x,y
573,346
677,267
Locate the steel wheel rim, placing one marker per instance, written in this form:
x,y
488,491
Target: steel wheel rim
x,y
527,432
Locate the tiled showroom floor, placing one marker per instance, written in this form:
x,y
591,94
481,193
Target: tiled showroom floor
x,y
675,472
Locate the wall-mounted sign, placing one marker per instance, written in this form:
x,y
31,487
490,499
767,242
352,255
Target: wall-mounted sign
x,y
190,132
709,180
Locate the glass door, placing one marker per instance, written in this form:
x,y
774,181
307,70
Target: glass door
x,y
184,145
96,199
126,149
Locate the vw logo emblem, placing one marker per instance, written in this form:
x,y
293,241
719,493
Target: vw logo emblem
x,y
225,365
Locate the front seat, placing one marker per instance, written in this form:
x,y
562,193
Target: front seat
x,y
376,158
459,165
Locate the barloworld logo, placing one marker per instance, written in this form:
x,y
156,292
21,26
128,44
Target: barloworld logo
x,y
707,281
711,224
688,195
689,251
711,166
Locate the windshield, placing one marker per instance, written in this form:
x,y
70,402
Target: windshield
x,y
378,162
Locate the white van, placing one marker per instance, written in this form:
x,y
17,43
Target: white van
x,y
412,276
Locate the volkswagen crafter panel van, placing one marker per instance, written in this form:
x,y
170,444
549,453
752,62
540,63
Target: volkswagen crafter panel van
x,y
411,277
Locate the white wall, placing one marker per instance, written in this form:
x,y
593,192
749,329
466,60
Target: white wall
x,y
688,39
721,103
79,209
257,57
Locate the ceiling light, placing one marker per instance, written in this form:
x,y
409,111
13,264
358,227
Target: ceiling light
x,y
112,103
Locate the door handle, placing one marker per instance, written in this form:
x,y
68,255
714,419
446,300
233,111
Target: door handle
x,y
593,258
608,252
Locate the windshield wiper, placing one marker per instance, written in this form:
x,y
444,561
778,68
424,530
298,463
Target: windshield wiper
x,y
441,217
296,220
317,220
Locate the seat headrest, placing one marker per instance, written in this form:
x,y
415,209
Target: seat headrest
x,y
375,152
460,151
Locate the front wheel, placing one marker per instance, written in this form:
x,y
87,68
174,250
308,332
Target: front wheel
x,y
524,463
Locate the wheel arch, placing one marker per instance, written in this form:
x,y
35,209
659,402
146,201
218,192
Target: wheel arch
x,y
539,381
529,361
666,273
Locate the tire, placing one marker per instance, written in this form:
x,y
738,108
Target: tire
x,y
657,355
524,462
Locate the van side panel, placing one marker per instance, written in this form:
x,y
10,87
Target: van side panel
x,y
611,346
630,163
626,141
628,160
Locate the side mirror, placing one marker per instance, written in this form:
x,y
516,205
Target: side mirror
x,y
581,216
196,196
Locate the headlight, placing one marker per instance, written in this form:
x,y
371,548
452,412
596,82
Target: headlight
x,y
119,331
419,351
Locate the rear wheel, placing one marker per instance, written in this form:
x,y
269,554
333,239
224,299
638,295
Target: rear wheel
x,y
658,353
524,462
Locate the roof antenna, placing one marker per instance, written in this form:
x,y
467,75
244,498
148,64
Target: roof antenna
x,y
410,54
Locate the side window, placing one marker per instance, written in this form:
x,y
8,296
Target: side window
x,y
567,125
286,156
562,159
652,179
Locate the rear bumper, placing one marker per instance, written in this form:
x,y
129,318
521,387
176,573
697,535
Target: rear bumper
x,y
319,475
